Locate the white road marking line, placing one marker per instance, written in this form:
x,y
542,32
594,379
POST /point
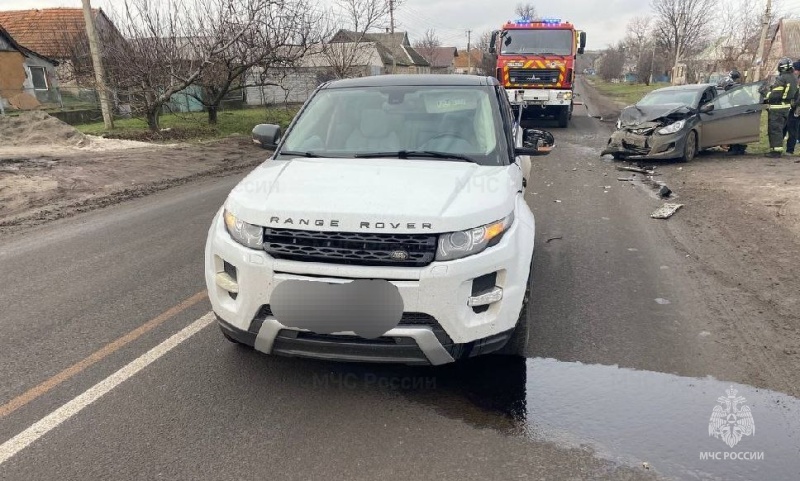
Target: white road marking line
x,y
73,407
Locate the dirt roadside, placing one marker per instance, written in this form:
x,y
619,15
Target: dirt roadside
x,y
740,228
48,170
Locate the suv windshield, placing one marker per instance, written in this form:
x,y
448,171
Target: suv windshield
x,y
358,121
552,42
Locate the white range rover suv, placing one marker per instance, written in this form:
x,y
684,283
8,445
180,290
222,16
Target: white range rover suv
x,y
389,225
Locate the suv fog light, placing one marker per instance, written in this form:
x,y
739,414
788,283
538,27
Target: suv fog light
x,y
490,297
227,283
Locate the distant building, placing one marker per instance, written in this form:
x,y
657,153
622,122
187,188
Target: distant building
x,y
396,52
442,59
347,54
60,34
783,41
27,79
471,64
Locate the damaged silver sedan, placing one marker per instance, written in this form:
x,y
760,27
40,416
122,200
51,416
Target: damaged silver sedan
x,y
678,122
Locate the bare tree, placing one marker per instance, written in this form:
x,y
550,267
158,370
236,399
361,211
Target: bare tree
x,y
488,63
427,45
612,63
738,27
350,48
525,10
683,27
639,46
70,45
281,36
161,57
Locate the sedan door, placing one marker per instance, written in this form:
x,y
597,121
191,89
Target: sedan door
x,y
734,119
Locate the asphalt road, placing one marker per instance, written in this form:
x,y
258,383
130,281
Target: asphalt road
x,y
96,385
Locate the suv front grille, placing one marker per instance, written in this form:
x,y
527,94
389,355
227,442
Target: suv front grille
x,y
406,250
519,76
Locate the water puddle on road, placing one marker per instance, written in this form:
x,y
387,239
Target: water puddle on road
x,y
628,416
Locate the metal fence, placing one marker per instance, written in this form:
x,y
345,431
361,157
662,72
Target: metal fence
x,y
81,99
59,98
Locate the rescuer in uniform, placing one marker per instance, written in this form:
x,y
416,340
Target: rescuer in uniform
x,y
779,97
793,122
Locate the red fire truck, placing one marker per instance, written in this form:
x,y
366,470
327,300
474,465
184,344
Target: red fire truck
x,y
536,65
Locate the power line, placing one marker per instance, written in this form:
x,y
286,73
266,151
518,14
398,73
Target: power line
x,y
420,18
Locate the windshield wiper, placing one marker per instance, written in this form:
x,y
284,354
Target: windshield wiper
x,y
408,154
310,155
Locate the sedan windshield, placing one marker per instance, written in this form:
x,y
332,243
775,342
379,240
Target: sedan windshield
x,y
538,42
379,121
663,97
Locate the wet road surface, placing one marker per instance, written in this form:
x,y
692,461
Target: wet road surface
x,y
620,384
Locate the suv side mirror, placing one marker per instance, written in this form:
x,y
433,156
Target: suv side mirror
x,y
267,135
707,108
536,142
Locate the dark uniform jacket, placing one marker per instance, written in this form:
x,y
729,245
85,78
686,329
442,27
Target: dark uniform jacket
x,y
783,90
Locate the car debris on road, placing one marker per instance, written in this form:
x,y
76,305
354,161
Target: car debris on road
x,y
666,211
638,170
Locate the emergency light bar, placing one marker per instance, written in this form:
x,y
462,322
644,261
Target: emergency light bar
x,y
527,22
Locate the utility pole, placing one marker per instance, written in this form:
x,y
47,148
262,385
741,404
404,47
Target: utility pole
x,y
469,52
97,63
391,16
391,31
653,63
759,60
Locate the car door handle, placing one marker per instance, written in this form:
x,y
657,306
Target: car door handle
x,y
750,111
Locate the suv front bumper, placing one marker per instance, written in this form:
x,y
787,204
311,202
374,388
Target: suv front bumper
x,y
439,293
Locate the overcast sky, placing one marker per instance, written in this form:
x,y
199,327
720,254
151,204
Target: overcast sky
x,y
603,20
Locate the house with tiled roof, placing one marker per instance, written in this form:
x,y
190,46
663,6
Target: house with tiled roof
x,y
442,59
60,34
395,50
26,77
471,64
783,41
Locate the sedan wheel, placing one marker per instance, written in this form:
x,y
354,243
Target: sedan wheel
x,y
690,150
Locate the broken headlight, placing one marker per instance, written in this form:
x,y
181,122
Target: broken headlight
x,y
248,235
672,128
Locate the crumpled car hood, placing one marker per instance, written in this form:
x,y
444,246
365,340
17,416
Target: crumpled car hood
x,y
636,115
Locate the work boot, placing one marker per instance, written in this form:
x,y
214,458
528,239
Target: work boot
x,y
773,154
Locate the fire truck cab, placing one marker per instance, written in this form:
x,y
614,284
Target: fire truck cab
x,y
536,65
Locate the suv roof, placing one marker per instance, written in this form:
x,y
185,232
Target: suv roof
x,y
412,80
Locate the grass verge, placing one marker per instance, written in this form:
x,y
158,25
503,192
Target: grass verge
x,y
194,125
623,92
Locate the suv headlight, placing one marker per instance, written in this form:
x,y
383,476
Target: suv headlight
x,y
672,128
248,235
456,245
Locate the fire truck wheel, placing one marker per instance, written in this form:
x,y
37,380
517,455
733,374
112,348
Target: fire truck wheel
x,y
563,117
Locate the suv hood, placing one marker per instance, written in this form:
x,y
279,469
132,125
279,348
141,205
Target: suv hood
x,y
635,115
374,195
